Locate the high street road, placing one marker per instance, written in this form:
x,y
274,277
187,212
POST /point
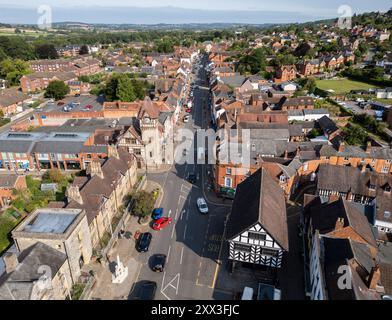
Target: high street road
x,y
192,243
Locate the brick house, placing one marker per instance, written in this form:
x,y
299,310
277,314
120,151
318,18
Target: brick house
x,y
286,73
8,184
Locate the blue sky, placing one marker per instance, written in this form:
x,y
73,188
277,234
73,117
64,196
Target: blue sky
x,y
252,11
315,6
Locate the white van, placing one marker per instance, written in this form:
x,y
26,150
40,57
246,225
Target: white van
x,y
247,294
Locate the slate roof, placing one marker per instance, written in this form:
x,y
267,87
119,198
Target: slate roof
x,y
349,179
259,199
94,190
324,217
341,252
19,284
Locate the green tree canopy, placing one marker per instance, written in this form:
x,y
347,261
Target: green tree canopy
x,y
46,51
56,90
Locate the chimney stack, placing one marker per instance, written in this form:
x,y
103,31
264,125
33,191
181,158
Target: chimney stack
x,y
113,152
73,193
95,168
10,261
368,147
341,146
339,224
374,277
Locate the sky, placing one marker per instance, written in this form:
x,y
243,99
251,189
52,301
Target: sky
x,y
183,11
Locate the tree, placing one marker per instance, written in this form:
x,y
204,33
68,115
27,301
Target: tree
x,y
57,90
309,84
46,51
355,135
143,204
125,91
13,70
84,50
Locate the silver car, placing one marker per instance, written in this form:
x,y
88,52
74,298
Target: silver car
x,y
202,205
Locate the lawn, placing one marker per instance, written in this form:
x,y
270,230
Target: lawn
x,y
7,223
343,86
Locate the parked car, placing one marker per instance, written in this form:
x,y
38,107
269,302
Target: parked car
x,y
202,205
161,223
146,290
157,213
61,103
159,261
188,110
144,241
186,119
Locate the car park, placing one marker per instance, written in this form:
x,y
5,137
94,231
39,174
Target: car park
x,y
202,205
144,241
161,223
158,262
157,213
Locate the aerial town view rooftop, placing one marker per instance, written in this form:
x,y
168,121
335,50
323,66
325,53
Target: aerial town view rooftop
x,y
169,150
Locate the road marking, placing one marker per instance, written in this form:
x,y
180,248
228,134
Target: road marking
x,y
172,234
175,218
170,212
182,214
185,231
168,254
182,253
170,284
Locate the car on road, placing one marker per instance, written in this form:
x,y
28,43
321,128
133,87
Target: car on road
x,y
158,262
144,241
202,205
192,178
161,223
187,118
157,213
188,110
145,290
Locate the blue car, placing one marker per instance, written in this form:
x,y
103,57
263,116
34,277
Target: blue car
x,y
157,213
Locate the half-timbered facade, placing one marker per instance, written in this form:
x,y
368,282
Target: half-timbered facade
x,y
257,226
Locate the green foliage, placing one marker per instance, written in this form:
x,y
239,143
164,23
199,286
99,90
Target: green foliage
x,y
83,50
46,51
143,203
252,63
56,90
370,123
355,135
121,87
13,70
308,84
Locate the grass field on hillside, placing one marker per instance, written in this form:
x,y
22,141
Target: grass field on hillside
x,y
342,86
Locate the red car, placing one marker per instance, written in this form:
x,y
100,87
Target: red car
x,y
189,110
161,223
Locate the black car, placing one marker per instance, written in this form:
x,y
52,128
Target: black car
x,y
143,242
158,263
145,290
192,178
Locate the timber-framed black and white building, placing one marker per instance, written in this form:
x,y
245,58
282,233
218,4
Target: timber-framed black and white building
x,y
257,227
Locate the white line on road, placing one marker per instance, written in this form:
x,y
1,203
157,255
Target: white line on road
x,y
172,234
182,214
182,253
170,212
185,231
168,254
175,218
